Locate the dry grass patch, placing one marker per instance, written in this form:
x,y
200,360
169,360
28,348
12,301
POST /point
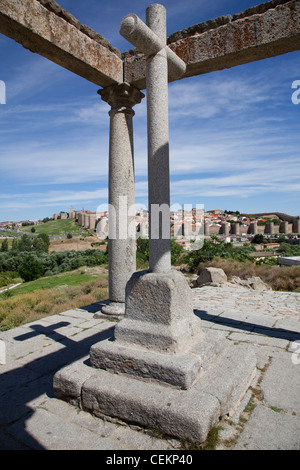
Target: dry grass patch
x,y
279,278
24,308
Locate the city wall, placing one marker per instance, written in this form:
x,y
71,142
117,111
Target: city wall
x,y
90,220
253,228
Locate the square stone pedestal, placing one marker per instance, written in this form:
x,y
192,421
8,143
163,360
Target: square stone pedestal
x,y
159,370
226,374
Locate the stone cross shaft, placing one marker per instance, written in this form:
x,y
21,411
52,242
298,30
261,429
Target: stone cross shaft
x,y
161,61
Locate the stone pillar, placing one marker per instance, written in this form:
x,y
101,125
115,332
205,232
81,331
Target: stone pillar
x,y
122,245
225,228
102,228
86,220
296,226
206,229
253,228
235,228
284,227
159,369
144,229
161,63
269,228
158,147
159,318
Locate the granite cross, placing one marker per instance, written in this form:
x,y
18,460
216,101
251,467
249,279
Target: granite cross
x,y
161,63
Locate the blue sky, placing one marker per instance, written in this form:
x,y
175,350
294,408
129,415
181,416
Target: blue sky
x,y
234,134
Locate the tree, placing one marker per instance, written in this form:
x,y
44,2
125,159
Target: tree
x,y
142,246
176,251
276,221
31,268
40,246
45,239
14,246
25,243
4,245
258,239
32,229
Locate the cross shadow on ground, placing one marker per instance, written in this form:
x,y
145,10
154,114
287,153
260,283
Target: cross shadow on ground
x,y
22,386
248,326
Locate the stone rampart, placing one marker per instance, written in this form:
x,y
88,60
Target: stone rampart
x,y
252,229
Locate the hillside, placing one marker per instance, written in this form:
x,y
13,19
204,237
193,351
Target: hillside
x,y
56,227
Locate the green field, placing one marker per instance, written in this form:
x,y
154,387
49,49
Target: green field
x,y
56,227
73,278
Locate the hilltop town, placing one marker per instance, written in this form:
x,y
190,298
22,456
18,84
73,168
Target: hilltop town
x,y
183,223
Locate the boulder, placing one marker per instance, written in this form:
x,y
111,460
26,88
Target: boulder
x,y
253,282
210,276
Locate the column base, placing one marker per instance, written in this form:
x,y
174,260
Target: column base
x,y
159,314
115,310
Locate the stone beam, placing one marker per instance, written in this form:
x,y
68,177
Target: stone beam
x,y
267,30
45,28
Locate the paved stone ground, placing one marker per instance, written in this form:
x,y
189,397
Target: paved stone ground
x,y
268,418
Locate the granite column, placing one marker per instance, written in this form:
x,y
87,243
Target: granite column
x,y
122,243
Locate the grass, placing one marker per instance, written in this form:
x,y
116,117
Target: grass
x,y
279,278
9,233
66,279
8,278
56,227
49,296
210,443
9,241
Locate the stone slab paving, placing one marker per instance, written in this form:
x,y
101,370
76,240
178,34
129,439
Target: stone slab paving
x,y
31,417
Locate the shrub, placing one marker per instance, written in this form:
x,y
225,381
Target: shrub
x,y
31,268
52,263
24,308
211,250
43,307
8,277
258,239
4,245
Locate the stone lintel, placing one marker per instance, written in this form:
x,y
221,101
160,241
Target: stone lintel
x,y
271,29
44,32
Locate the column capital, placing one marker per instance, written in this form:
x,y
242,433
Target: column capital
x,y
121,95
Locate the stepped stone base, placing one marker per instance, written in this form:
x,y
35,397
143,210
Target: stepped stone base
x,y
180,370
226,372
155,337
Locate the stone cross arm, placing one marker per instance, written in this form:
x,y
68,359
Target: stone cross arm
x,y
146,41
